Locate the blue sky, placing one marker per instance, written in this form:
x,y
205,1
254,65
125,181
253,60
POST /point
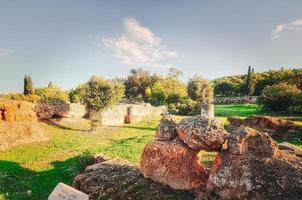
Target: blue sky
x,y
67,41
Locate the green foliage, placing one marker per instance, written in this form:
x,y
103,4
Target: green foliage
x,y
250,84
28,85
165,90
51,93
188,107
200,90
229,86
281,97
102,93
137,82
76,95
234,85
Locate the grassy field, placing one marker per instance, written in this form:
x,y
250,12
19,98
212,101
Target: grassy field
x,y
32,171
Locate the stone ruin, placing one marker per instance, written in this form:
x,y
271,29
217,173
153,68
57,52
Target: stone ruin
x,y
277,128
249,165
19,124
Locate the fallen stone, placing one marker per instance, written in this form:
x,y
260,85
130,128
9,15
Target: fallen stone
x,y
252,167
64,192
263,123
117,179
235,121
201,133
174,164
166,129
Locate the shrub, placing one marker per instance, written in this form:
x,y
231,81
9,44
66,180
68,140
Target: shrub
x,y
52,92
281,97
76,95
188,107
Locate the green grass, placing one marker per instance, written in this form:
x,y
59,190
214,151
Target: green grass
x,y
40,166
240,110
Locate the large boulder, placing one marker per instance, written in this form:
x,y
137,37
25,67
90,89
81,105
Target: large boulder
x,y
202,133
174,164
118,179
252,167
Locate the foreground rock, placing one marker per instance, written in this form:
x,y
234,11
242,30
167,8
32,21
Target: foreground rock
x,y
117,179
252,167
202,133
18,124
173,163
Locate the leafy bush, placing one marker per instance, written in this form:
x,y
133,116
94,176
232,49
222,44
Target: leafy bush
x,y
165,90
281,97
188,107
52,92
76,95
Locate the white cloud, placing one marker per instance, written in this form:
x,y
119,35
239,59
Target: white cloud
x,y
5,52
281,29
138,45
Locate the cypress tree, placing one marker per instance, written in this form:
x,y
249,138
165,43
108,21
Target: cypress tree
x,y
28,85
250,85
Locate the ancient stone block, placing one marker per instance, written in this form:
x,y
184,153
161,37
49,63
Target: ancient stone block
x,y
202,133
173,163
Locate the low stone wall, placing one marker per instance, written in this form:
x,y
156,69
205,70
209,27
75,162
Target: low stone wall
x,y
49,109
235,100
18,124
130,113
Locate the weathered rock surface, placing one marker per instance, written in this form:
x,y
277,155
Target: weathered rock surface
x,y
263,123
117,179
202,133
252,167
18,124
290,149
166,129
173,163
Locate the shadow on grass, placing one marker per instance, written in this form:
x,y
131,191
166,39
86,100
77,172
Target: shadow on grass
x,y
141,128
16,181
52,123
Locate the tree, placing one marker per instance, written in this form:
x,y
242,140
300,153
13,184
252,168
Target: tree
x,y
250,84
137,82
280,97
175,73
101,94
200,90
165,90
28,85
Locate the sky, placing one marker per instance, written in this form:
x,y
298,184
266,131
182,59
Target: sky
x,y
68,41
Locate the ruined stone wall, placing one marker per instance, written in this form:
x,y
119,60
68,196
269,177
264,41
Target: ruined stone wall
x,y
130,113
235,100
18,124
